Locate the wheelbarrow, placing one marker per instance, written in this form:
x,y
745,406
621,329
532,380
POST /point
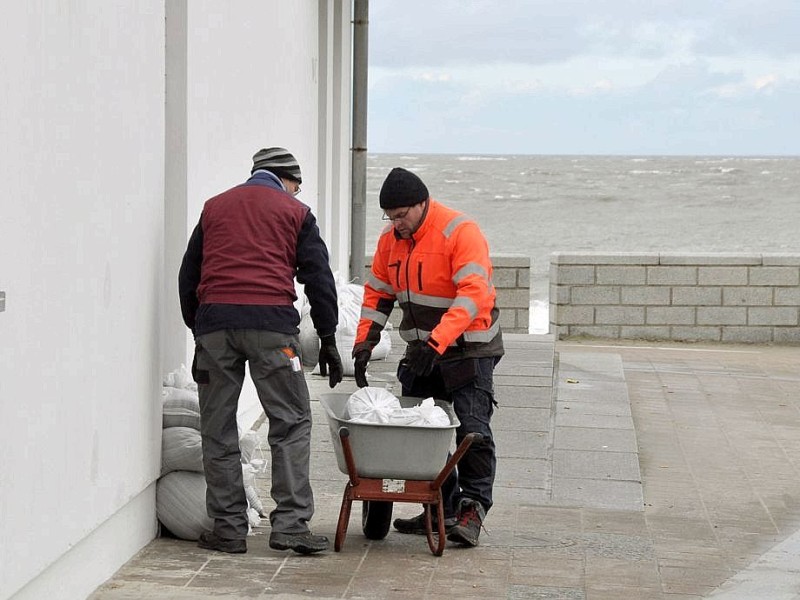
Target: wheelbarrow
x,y
392,463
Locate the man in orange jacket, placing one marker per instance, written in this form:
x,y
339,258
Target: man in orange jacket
x,y
435,263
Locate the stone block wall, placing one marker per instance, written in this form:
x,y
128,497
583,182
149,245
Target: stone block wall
x,y
512,280
745,298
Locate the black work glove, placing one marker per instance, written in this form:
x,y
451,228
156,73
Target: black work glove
x,y
329,359
360,360
420,359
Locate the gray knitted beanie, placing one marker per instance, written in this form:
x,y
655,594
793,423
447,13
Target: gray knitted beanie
x,y
279,161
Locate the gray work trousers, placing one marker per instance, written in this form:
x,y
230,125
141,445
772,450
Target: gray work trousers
x,y
219,371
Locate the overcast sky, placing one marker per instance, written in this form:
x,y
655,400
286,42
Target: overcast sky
x,y
585,76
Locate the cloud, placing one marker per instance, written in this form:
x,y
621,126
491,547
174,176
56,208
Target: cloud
x,y
766,82
685,109
424,33
768,28
687,80
621,76
429,76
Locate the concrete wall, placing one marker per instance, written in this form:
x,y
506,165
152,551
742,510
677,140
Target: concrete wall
x,y
680,297
251,75
118,120
512,280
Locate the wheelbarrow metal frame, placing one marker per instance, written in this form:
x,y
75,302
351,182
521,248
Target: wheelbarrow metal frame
x,y
425,492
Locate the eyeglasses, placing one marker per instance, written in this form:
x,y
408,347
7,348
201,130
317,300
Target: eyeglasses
x,y
397,217
291,185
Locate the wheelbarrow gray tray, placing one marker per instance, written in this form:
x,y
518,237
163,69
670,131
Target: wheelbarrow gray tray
x,y
390,451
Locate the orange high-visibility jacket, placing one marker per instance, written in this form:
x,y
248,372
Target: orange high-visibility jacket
x,y
442,279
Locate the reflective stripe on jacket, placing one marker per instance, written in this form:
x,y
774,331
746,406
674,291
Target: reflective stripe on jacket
x,y
442,280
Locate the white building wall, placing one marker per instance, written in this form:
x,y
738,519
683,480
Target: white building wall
x,y
81,190
335,92
254,79
104,168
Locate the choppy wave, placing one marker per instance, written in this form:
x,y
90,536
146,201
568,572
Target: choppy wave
x,y
499,158
539,317
537,205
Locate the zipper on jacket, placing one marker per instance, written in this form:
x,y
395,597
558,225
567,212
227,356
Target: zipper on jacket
x,y
396,267
408,282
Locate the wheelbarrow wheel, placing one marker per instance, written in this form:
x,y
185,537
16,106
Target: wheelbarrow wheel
x,y
376,518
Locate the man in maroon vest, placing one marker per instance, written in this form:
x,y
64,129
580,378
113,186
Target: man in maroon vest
x,y
237,295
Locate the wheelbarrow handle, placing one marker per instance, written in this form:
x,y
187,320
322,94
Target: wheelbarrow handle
x,y
474,437
469,439
347,450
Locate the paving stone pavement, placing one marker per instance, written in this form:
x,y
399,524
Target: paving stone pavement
x,y
626,471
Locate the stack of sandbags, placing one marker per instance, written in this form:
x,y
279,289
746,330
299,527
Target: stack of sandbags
x,y
181,489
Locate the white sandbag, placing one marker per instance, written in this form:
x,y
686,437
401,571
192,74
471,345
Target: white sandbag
x,y
349,296
378,405
181,450
371,405
345,343
309,341
253,520
180,378
426,414
382,348
248,444
181,504
181,408
250,490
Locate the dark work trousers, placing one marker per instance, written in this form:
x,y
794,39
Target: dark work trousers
x,y
281,386
473,404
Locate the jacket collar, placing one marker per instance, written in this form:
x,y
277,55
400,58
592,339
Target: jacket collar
x,y
265,178
427,220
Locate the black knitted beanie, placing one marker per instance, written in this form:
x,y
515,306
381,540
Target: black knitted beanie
x,y
402,188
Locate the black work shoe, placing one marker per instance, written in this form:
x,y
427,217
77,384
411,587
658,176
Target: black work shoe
x,y
210,541
416,525
302,543
468,528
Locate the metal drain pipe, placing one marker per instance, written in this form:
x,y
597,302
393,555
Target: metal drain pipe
x,y
358,175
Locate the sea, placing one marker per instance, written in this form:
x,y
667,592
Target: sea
x,y
537,205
